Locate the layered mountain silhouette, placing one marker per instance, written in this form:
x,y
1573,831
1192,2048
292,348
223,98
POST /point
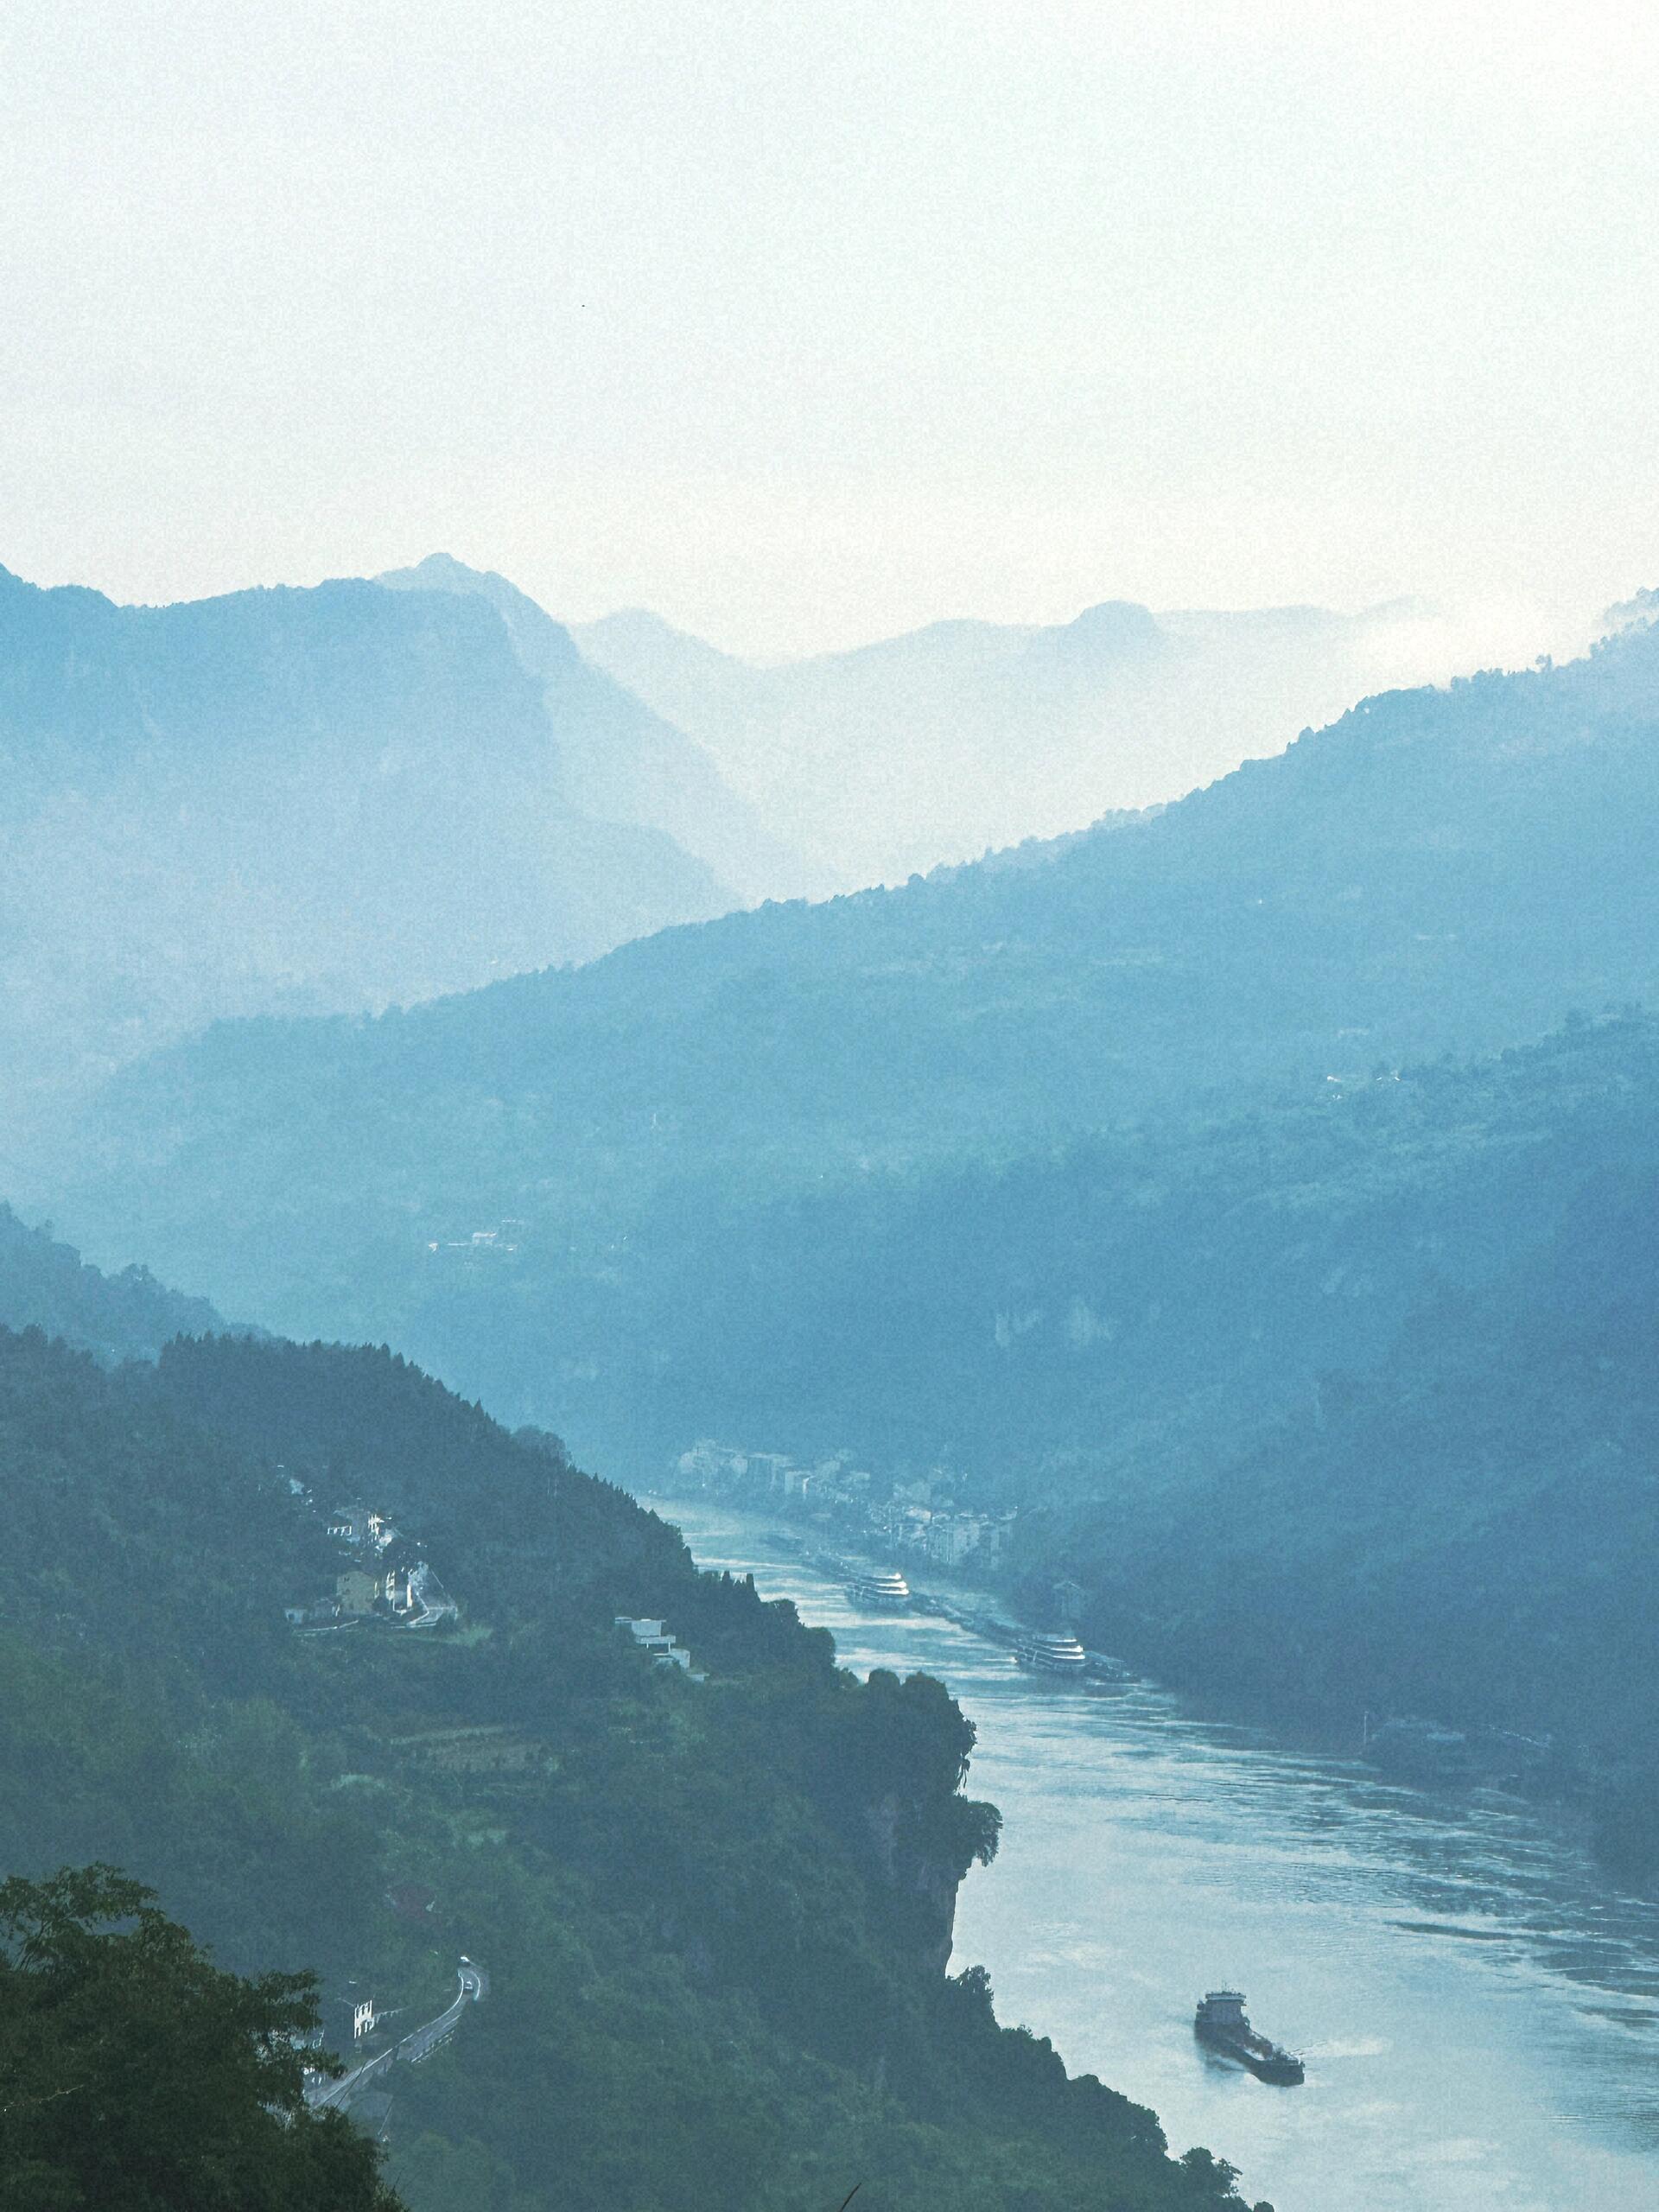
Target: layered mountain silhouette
x,y
1439,872
939,744
47,1286
308,799
620,761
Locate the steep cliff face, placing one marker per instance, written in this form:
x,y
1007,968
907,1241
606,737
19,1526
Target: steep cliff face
x,y
925,1886
897,1764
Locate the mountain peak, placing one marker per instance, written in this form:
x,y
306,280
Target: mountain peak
x,y
544,647
641,629
443,572
1117,629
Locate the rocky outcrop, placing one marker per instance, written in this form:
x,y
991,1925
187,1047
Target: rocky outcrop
x,y
927,1888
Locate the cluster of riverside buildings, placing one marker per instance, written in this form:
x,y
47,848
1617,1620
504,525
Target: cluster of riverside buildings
x,y
918,1518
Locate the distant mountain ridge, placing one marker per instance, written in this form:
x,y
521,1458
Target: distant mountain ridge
x,y
966,735
619,760
308,799
1441,871
47,1285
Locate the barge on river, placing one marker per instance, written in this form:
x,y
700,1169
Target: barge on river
x,y
1223,2024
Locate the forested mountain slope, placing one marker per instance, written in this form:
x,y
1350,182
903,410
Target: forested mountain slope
x,y
620,761
933,746
1468,1531
725,1903
1438,871
302,799
1083,1317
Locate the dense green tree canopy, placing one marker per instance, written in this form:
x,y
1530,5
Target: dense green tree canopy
x,y
137,2076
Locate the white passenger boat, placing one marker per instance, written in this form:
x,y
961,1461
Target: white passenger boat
x,y
890,1591
1052,1655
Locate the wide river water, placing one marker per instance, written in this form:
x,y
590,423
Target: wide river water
x,y
1479,2013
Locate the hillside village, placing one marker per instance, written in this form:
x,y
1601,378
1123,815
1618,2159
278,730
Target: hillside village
x,y
385,1576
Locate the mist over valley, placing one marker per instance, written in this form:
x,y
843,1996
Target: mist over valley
x,y
828,1285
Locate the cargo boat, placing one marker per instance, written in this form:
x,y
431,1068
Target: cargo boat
x,y
1052,1655
1223,2024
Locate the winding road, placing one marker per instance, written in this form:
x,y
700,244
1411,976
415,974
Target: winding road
x,y
410,2049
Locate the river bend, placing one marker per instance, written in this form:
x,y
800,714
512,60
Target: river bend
x,y
1480,2011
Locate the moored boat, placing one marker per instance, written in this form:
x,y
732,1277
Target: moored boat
x,y
1050,1655
888,1591
1223,2024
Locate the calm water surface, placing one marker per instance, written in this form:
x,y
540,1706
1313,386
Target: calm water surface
x,y
1479,2014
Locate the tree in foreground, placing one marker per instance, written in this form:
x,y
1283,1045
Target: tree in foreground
x,y
137,2076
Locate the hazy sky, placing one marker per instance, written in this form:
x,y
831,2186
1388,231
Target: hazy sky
x,y
803,322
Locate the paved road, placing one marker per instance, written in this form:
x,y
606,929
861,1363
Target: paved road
x,y
419,2044
424,2041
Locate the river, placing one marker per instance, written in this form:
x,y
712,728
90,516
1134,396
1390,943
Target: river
x,y
1478,2011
